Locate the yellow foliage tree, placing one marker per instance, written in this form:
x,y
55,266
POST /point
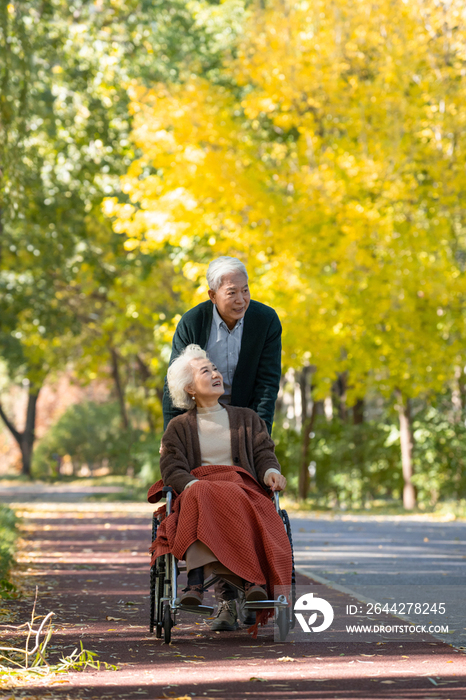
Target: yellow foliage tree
x,y
330,158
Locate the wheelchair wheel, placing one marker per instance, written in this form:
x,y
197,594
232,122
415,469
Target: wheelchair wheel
x,y
157,579
157,575
167,624
283,622
158,599
153,583
287,524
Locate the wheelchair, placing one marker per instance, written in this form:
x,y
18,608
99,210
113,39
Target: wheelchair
x,y
165,603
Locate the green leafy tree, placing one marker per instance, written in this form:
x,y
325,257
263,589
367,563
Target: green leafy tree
x,y
330,157
65,72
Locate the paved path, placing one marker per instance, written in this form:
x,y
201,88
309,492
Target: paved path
x,y
388,557
90,563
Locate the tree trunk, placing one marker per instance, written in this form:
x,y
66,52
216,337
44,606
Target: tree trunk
x,y
303,381
358,452
306,428
146,374
457,395
406,441
119,388
304,477
358,412
25,440
339,388
279,404
1,231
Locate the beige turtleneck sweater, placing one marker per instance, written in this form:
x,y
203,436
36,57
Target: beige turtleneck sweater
x,y
214,438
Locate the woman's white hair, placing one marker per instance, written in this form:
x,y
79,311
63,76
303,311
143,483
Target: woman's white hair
x,y
223,266
180,375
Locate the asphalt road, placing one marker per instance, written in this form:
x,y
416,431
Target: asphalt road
x,y
389,559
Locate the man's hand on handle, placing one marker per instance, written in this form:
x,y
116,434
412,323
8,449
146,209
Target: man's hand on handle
x,y
276,482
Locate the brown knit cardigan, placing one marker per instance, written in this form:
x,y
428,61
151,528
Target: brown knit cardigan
x,y
252,448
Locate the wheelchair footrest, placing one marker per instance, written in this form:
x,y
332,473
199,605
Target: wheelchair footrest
x,y
264,604
205,610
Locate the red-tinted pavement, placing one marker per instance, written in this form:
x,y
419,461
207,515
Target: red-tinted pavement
x,y
91,564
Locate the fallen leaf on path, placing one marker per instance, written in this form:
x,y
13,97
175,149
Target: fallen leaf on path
x,y
387,682
286,658
114,619
256,678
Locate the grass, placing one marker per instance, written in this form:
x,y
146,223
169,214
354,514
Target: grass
x,y
20,664
8,535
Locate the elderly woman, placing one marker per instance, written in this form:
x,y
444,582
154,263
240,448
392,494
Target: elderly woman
x,y
220,459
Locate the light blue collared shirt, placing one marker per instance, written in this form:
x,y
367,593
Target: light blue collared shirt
x,y
223,349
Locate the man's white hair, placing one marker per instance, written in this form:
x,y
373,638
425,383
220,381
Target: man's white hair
x,y
180,375
223,266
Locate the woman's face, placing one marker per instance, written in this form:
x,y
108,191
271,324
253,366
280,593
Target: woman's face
x,y
207,384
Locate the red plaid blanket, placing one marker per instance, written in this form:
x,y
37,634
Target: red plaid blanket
x,y
233,515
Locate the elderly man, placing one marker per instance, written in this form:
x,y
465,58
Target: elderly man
x,y
242,338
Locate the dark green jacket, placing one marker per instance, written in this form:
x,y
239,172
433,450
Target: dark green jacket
x,y
257,376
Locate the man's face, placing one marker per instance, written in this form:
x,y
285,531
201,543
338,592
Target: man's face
x,y
232,298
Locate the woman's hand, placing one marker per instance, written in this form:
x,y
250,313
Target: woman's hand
x,y
276,482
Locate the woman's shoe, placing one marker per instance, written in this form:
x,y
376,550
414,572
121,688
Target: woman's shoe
x,y
192,595
253,592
